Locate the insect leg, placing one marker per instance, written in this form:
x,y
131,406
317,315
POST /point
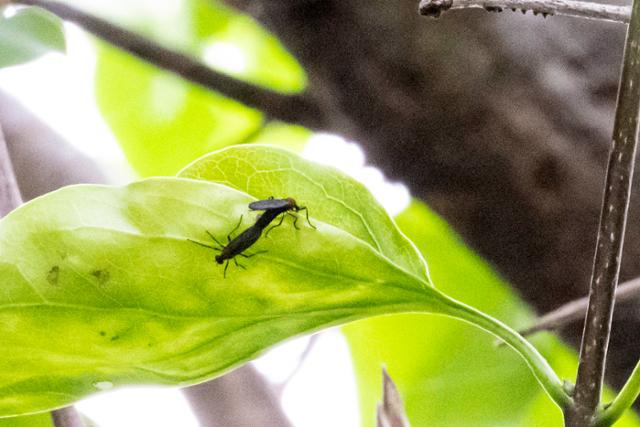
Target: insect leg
x,y
306,212
250,255
205,245
295,220
238,265
277,225
214,239
226,265
233,231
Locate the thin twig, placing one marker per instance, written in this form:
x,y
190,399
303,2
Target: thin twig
x,y
613,218
578,9
288,108
576,309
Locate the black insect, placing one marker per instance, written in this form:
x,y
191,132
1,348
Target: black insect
x,y
274,207
236,246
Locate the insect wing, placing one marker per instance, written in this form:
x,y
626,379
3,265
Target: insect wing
x,y
264,205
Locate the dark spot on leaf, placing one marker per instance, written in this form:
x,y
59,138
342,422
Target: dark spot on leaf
x,y
115,337
493,8
102,276
52,275
103,333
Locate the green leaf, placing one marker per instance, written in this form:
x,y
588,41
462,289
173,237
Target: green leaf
x,y
447,373
102,287
258,56
161,121
29,34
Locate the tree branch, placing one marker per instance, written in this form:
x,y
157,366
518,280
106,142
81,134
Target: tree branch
x,y
575,310
289,108
577,9
613,218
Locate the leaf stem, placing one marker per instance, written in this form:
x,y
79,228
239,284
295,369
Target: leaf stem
x,y
613,218
541,369
623,400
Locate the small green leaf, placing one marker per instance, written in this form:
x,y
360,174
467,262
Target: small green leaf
x,y
29,34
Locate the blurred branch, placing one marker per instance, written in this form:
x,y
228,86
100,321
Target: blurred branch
x,y
288,108
577,9
241,398
575,310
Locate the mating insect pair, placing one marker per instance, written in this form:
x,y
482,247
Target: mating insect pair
x,y
235,247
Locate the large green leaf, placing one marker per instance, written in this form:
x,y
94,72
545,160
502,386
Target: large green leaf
x,y
163,122
29,34
449,374
102,287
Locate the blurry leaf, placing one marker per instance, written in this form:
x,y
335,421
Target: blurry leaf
x,y
464,378
283,135
391,411
29,34
236,44
163,122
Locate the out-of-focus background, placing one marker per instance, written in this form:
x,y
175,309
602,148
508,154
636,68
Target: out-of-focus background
x,y
485,134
